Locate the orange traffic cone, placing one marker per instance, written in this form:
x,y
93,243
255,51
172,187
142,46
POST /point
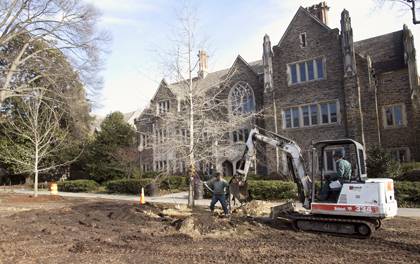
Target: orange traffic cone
x,y
142,200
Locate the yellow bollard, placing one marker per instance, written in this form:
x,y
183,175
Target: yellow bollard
x,y
142,200
54,189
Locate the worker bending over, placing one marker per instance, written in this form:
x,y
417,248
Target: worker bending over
x,y
219,192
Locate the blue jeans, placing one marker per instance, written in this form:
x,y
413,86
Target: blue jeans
x,y
222,199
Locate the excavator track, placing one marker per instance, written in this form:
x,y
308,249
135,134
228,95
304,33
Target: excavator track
x,y
349,227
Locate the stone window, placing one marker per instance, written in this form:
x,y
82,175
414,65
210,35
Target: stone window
x,y
163,107
305,71
314,114
311,115
182,167
184,134
302,38
161,135
329,113
146,167
320,65
394,116
241,99
240,135
144,141
400,154
161,165
292,117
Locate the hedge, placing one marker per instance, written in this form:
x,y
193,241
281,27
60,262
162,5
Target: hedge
x,y
407,193
77,186
409,166
130,186
269,190
174,182
150,174
272,190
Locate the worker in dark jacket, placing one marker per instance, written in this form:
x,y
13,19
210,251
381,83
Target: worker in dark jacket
x,y
219,192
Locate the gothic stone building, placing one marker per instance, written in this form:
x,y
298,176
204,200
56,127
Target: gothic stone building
x,y
240,86
315,84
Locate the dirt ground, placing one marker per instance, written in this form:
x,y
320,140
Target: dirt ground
x,y
59,230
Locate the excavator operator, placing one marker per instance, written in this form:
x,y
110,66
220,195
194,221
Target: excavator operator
x,y
333,184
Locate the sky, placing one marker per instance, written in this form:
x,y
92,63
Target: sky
x,y
141,28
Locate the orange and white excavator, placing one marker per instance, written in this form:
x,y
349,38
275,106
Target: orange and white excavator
x,y
358,204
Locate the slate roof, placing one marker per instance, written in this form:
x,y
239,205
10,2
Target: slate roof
x,y
212,79
386,51
257,66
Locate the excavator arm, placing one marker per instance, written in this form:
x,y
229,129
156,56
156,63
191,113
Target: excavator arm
x,y
294,160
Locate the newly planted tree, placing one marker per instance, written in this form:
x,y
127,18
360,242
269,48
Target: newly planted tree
x,y
196,122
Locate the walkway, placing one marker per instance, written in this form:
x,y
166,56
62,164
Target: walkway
x,y
173,198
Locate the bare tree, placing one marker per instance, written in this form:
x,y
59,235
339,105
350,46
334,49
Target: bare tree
x,y
411,4
35,132
30,29
197,122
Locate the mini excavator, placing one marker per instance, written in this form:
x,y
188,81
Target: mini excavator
x,y
357,206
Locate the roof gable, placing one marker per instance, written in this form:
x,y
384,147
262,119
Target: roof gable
x,y
162,89
239,60
302,11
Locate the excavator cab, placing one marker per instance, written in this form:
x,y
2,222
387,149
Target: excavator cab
x,y
323,154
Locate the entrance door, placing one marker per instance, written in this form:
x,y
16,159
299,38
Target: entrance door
x,y
227,168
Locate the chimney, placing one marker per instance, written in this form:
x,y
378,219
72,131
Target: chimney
x,y
320,11
202,64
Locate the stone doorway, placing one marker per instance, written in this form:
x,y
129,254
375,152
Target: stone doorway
x,y
227,168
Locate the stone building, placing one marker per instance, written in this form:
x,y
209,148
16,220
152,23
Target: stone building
x,y
317,83
240,86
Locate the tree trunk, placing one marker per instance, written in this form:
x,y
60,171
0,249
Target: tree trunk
x,y
191,127
191,156
36,173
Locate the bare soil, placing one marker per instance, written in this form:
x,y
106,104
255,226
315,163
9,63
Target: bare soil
x,y
63,230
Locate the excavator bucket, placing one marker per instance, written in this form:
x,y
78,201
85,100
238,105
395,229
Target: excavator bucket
x,y
239,190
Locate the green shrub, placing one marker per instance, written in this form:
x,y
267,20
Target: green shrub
x,y
150,174
174,182
407,194
411,176
255,177
129,186
272,190
381,165
407,167
268,190
135,173
78,186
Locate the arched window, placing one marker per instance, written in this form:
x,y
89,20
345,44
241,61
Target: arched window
x,y
241,99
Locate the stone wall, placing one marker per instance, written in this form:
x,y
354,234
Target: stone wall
x,y
321,42
393,88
